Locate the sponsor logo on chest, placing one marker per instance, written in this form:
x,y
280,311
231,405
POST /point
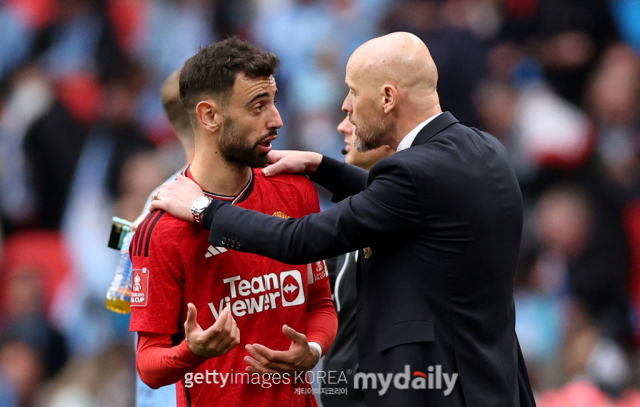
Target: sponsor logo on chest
x,y
260,293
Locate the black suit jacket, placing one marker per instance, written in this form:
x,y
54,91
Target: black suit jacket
x,y
440,224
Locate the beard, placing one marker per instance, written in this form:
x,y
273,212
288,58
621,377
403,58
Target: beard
x,y
369,136
236,150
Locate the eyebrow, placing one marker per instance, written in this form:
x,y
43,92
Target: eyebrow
x,y
258,96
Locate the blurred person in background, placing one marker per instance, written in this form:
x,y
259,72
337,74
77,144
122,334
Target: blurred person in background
x,y
565,36
343,354
595,369
179,119
31,349
116,169
589,259
613,101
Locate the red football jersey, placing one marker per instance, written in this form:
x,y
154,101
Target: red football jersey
x,y
174,264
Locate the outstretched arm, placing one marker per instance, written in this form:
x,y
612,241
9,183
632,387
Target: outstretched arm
x,y
389,208
341,179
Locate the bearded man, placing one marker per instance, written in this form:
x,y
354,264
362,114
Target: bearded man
x,y
224,297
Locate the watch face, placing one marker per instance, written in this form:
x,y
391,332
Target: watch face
x,y
201,204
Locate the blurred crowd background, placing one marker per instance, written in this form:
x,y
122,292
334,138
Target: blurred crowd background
x,y
83,138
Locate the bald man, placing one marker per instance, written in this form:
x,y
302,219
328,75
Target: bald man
x,y
438,224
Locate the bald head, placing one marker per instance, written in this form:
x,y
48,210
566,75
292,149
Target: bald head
x,y
392,88
400,58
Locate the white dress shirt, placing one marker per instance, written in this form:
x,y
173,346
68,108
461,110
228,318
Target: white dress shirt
x,y
408,139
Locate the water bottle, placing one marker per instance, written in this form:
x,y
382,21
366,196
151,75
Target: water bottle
x,y
118,298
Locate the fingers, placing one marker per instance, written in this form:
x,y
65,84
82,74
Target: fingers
x,y
275,155
294,335
258,356
192,318
273,169
220,323
224,331
262,363
269,357
277,165
232,328
137,222
256,367
158,205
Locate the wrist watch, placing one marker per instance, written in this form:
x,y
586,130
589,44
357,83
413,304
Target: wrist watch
x,y
199,206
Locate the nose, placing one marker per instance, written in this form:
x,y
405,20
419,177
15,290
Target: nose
x,y
347,105
276,120
345,127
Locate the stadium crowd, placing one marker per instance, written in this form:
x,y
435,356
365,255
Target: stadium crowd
x,y
83,137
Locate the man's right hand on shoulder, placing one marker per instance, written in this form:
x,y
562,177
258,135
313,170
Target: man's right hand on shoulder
x,y
292,162
216,340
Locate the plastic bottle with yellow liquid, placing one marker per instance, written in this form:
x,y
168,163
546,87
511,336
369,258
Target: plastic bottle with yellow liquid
x,y
118,298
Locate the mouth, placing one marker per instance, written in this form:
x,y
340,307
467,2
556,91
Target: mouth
x,y
265,145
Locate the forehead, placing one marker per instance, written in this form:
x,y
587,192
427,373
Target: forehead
x,y
353,72
245,87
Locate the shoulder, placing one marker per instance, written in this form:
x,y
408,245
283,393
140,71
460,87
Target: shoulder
x,y
292,180
286,181
159,229
399,164
296,191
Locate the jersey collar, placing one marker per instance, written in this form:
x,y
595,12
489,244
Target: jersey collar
x,y
242,195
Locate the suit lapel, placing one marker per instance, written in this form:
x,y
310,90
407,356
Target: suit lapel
x,y
434,127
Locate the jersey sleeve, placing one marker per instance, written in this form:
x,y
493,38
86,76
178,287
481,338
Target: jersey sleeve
x,y
159,363
157,277
311,201
321,323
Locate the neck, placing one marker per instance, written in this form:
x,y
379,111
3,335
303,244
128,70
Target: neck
x,y
408,119
214,174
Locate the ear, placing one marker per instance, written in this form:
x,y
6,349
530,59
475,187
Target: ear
x,y
389,98
209,114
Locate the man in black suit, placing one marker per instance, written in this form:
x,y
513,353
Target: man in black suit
x,y
439,225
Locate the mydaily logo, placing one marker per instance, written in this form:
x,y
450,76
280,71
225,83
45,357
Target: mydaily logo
x,y
432,380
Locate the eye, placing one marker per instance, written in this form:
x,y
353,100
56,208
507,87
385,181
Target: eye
x,y
258,108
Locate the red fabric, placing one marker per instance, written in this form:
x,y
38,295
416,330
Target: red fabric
x,y
37,13
51,263
630,398
575,394
263,294
82,96
321,325
161,364
127,17
631,221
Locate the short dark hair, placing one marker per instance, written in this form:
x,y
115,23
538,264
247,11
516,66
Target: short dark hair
x,y
213,69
